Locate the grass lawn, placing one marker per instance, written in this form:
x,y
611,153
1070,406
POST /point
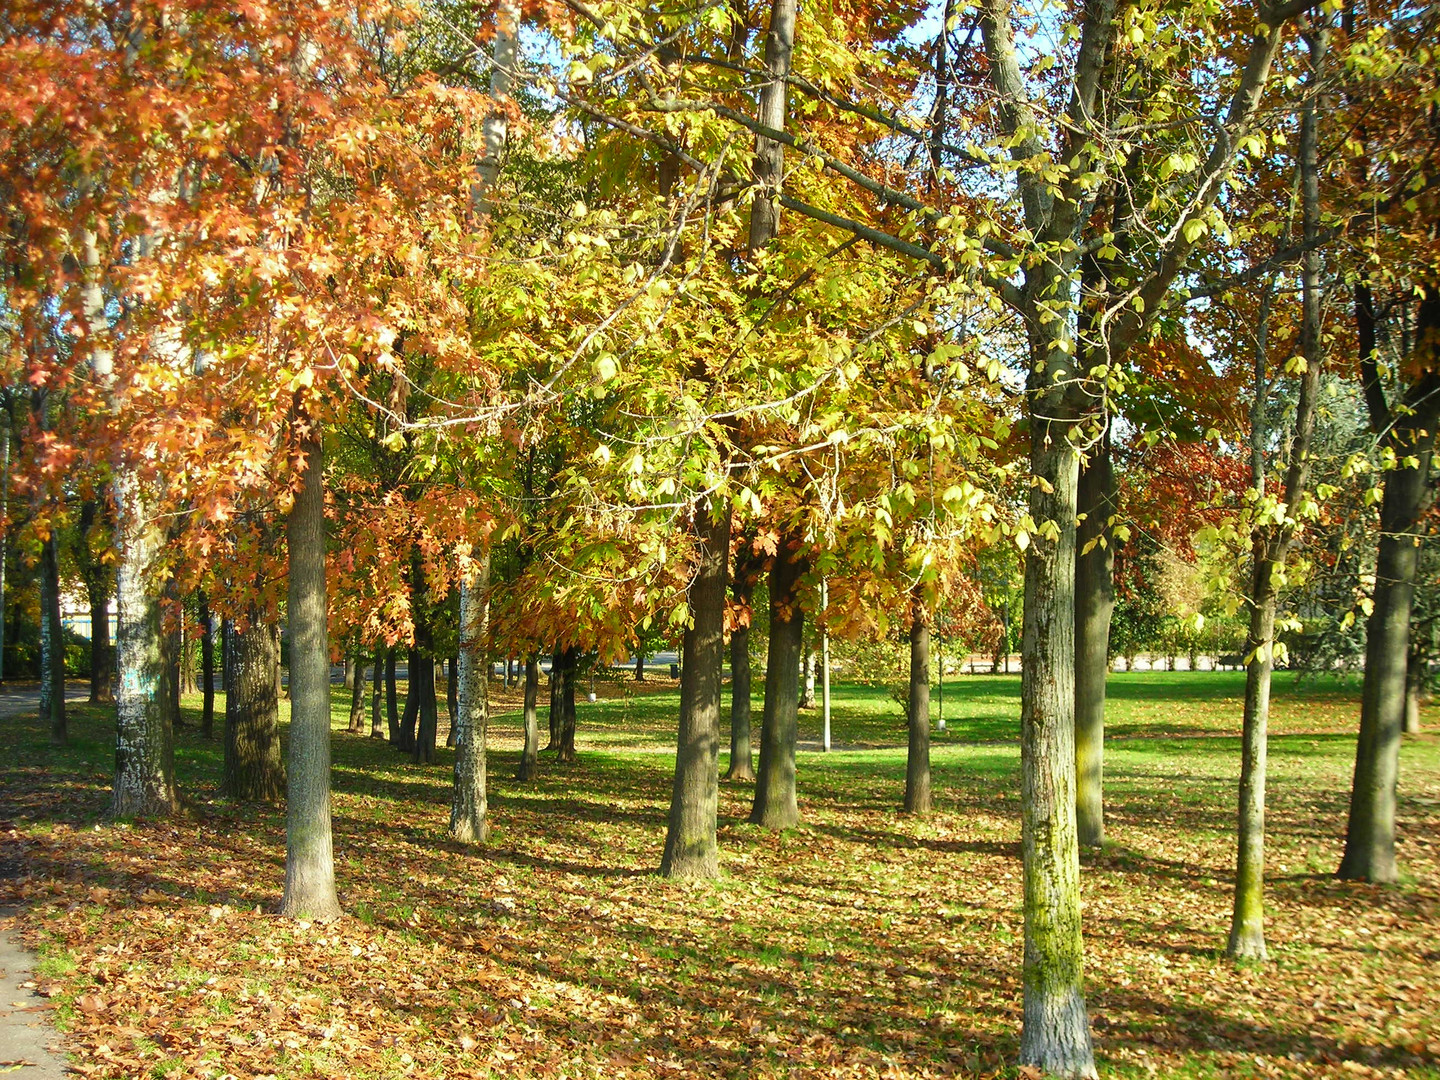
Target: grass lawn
x,y
862,944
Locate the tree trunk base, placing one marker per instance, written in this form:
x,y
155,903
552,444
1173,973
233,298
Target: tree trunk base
x,y
1246,943
1056,1037
740,770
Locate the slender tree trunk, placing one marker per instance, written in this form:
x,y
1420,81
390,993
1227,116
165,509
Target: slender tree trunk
x,y
557,707
97,590
452,697
309,859
1094,604
410,718
357,693
469,822
529,756
1247,923
377,693
776,805
566,750
639,666
691,850
350,663
170,656
428,713
1415,689
392,703
742,766
52,643
807,676
145,737
253,768
917,758
207,669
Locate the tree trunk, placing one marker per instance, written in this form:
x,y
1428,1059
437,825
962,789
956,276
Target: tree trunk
x,y
1247,922
170,670
452,697
775,805
309,859
529,756
639,666
145,738
1056,1033
469,822
350,677
566,750
1370,836
691,850
1094,604
253,769
917,757
557,707
1416,694
52,643
377,692
410,717
102,668
807,676
742,766
392,703
207,669
428,713
357,693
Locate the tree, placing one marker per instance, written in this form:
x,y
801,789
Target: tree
x,y
253,769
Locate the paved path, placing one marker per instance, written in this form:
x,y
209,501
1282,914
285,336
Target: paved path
x,y
30,1048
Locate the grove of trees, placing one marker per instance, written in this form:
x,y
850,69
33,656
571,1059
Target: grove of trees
x,y
472,334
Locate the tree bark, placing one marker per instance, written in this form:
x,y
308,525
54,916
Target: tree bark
x,y
52,643
427,713
409,719
207,669
392,710
357,693
377,692
1247,922
309,858
253,769
529,756
452,697
566,750
1094,605
639,666
145,737
691,850
1416,693
742,766
917,709
469,820
776,805
557,706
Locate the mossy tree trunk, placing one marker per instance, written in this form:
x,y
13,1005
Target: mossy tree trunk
x,y
1094,606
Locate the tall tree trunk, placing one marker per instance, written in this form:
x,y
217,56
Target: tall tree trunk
x,y
392,710
776,806
207,669
691,850
170,667
52,643
1056,1033
807,677
1416,692
357,693
529,756
566,750
452,697
557,706
469,822
742,766
253,769
145,736
410,718
917,757
350,663
1247,922
1272,542
639,665
428,713
309,859
102,667
377,693
1094,605
1370,836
